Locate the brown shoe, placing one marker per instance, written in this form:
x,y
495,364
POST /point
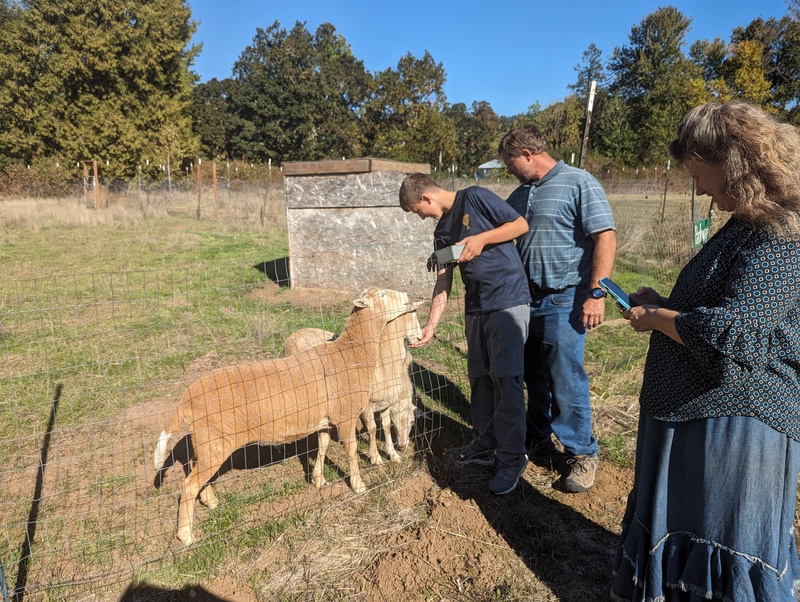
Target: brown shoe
x,y
580,473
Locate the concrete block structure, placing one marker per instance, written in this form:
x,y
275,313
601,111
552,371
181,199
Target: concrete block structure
x,y
347,231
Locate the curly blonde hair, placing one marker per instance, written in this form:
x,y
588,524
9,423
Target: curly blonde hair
x,y
759,156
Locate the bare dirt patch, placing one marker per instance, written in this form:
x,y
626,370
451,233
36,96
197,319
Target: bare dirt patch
x,y
271,292
439,535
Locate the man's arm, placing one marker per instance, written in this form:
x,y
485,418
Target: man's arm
x,y
605,251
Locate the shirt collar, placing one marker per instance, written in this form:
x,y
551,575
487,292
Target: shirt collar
x,y
553,171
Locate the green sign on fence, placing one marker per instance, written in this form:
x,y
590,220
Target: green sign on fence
x,y
702,228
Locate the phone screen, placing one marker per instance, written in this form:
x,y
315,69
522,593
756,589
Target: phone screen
x,y
616,292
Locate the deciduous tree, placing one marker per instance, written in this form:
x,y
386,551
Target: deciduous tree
x,y
406,99
744,70
477,131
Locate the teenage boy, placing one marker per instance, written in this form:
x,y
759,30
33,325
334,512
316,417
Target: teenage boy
x,y
496,316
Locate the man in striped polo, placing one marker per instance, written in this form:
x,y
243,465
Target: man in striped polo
x,y
570,246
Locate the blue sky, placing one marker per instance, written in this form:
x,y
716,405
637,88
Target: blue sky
x,y
511,54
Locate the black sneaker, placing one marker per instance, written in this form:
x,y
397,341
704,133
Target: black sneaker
x,y
547,456
506,479
472,453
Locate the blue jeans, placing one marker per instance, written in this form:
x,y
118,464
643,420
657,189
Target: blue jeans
x,y
558,386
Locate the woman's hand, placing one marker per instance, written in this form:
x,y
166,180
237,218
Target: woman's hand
x,y
644,318
639,316
648,296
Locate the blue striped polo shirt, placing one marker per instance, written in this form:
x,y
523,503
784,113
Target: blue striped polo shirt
x,y
563,210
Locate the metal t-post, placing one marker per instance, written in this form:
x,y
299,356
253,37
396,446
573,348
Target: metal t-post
x,y
585,138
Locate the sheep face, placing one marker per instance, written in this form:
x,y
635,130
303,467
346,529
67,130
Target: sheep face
x,y
413,331
386,303
403,415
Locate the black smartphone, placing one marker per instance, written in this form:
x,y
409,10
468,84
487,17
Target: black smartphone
x,y
616,292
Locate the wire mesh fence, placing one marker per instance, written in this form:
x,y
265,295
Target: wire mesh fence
x,y
94,365
96,361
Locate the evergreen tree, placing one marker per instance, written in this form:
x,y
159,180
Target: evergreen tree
x,y
211,116
709,56
99,80
615,137
295,96
590,69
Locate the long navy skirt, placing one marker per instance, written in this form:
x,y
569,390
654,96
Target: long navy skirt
x,y
711,513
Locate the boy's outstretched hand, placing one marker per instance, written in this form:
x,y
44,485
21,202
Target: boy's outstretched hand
x,y
427,334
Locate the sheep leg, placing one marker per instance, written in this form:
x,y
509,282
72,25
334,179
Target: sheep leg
x,y
324,438
208,498
200,475
386,424
347,430
368,417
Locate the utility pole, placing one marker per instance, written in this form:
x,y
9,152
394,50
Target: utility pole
x,y
589,104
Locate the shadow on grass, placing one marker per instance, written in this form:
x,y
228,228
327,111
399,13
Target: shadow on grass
x,y
248,457
565,549
255,455
276,270
18,593
151,593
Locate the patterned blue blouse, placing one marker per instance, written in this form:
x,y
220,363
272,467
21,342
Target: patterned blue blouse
x,y
739,304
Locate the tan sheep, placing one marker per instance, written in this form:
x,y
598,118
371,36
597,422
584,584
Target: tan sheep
x,y
392,391
282,400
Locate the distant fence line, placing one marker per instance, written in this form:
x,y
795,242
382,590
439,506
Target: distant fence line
x,y
56,180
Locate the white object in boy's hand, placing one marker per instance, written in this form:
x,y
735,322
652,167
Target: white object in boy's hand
x,y
449,254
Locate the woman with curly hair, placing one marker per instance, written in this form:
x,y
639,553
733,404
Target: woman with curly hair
x,y
711,512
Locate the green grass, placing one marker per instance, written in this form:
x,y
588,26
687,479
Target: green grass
x,y
619,449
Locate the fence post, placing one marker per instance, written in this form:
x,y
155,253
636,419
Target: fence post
x,y
587,121
214,181
94,171
199,186
666,182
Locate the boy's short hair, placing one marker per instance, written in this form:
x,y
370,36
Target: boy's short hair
x,y
526,137
412,189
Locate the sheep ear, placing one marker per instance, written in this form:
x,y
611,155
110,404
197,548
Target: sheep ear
x,y
417,304
360,303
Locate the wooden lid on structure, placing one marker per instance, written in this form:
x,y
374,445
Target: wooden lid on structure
x,y
347,166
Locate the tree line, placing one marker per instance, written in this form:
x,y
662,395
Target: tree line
x,y
114,81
